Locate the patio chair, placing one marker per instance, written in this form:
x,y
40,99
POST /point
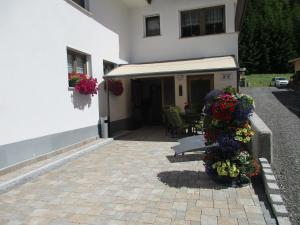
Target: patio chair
x,y
179,127
167,120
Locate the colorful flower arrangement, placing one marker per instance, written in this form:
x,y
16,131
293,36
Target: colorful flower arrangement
x,y
226,123
114,86
83,84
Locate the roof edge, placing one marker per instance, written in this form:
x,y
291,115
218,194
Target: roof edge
x,y
294,60
171,73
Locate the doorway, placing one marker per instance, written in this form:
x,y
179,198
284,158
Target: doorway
x,y
198,87
149,95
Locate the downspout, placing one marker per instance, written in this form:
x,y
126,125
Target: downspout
x,y
238,80
108,107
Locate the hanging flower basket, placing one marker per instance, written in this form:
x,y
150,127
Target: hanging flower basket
x,y
114,86
83,84
227,123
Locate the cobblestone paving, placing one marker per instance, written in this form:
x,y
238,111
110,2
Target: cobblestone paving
x,y
280,110
132,181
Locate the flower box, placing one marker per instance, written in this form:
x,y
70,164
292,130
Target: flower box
x,y
83,84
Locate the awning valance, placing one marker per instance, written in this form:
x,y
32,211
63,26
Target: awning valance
x,y
213,64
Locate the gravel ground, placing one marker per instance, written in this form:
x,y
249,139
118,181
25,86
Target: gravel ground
x,y
280,109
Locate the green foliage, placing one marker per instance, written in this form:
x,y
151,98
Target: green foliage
x,y
270,36
263,80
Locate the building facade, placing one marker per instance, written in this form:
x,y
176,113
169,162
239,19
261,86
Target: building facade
x,y
44,41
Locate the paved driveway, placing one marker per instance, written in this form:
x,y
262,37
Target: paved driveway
x,y
135,180
280,109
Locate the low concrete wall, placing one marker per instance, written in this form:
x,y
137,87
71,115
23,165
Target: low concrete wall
x,y
262,142
19,152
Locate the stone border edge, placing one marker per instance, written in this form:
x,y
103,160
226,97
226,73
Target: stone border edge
x,y
22,179
273,193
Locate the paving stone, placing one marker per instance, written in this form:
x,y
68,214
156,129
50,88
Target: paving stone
x,y
205,204
252,209
129,182
276,198
162,221
180,222
237,213
243,221
255,218
180,206
283,221
227,221
209,220
193,215
210,212
148,217
220,204
280,210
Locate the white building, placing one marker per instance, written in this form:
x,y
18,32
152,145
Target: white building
x,y
41,41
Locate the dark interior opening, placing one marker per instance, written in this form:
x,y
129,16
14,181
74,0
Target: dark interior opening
x,y
148,98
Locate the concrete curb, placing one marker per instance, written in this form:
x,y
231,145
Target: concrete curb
x,y
8,185
273,193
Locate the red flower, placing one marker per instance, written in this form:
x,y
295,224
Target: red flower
x,y
115,86
224,108
87,86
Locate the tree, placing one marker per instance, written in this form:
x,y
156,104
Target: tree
x,y
268,36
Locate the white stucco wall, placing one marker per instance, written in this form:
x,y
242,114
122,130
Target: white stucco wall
x,y
169,45
34,97
221,82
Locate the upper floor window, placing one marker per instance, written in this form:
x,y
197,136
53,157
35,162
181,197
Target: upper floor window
x,y
190,23
152,26
214,20
83,3
203,21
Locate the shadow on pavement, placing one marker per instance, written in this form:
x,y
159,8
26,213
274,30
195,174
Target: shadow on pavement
x,y
188,179
185,158
148,133
259,190
290,100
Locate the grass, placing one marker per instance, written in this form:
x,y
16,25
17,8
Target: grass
x,y
263,80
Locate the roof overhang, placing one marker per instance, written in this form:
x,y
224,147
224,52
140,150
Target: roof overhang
x,y
294,60
148,70
240,14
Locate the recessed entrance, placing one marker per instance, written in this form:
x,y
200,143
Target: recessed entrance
x,y
198,87
148,98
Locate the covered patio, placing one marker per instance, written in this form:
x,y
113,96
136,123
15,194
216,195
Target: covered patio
x,y
153,86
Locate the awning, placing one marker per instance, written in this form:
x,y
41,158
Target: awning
x,y
213,64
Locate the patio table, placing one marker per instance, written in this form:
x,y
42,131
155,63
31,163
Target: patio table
x,y
192,119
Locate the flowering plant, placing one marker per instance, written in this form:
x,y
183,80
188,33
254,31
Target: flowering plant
x,y
244,134
226,168
115,86
83,83
226,123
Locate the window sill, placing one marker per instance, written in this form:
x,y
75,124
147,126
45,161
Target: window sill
x,y
158,35
206,35
83,10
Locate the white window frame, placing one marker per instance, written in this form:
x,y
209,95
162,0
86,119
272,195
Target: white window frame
x,y
199,8
88,62
145,25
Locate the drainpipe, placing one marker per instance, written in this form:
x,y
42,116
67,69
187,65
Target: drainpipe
x,y
238,79
108,108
